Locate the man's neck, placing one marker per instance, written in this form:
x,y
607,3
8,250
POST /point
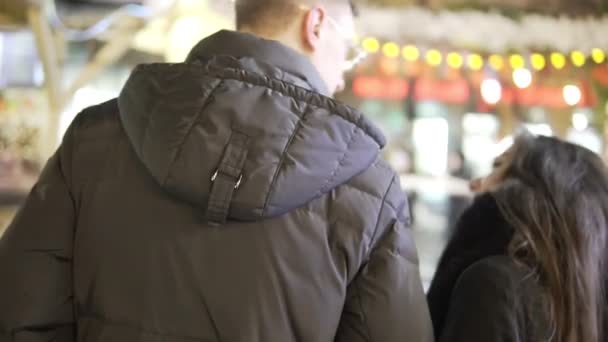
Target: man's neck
x,y
286,38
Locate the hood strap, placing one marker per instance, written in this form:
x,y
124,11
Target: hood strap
x,y
227,178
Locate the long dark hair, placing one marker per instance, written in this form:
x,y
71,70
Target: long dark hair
x,y
555,195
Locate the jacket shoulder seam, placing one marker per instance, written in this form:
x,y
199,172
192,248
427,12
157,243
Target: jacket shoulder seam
x,y
382,206
180,146
334,172
284,155
383,199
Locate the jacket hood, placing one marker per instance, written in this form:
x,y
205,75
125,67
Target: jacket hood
x,y
180,118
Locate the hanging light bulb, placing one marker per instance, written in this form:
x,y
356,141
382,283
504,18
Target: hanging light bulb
x,y
580,121
390,50
433,57
578,58
572,95
371,45
538,61
411,53
598,56
517,62
454,60
491,91
497,62
522,78
475,62
558,60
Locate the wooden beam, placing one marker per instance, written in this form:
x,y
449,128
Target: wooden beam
x,y
51,49
47,50
107,55
13,13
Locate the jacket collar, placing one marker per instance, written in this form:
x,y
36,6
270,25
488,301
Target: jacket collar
x,y
239,44
481,232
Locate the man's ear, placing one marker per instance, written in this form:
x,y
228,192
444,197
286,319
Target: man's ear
x,y
313,22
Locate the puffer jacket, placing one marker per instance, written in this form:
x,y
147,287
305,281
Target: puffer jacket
x,y
221,199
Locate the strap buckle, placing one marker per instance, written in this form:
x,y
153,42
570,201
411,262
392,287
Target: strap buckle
x,y
227,178
238,182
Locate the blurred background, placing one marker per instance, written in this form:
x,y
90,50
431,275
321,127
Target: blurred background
x,y
448,81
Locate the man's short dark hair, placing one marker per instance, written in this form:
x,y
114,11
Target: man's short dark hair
x,y
271,16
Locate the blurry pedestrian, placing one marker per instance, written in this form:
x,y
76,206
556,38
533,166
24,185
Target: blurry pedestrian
x,y
457,202
227,198
457,165
528,259
403,163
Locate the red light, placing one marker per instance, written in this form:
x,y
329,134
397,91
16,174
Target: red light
x,y
446,91
383,88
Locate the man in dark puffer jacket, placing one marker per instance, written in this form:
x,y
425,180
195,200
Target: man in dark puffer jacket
x,y
227,198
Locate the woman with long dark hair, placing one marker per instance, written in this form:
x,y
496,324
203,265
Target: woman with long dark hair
x,y
528,261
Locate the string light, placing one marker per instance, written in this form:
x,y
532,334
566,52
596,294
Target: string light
x,y
475,62
370,45
558,60
454,60
434,57
578,58
411,53
538,61
391,50
598,56
517,61
497,62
